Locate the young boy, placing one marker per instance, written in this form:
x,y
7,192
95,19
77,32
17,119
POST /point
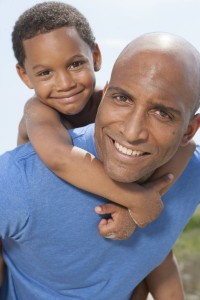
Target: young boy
x,y
58,59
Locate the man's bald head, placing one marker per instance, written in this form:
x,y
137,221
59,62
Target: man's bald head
x,y
181,56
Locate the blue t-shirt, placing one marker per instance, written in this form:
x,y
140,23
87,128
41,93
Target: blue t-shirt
x,y
51,243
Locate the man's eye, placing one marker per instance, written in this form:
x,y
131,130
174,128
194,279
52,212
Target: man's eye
x,y
162,114
122,98
76,64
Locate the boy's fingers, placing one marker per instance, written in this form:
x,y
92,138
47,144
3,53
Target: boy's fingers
x,y
119,228
107,229
160,183
105,209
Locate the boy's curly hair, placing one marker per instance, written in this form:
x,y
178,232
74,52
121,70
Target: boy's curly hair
x,y
45,17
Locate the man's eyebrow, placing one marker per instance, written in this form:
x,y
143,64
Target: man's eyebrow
x,y
119,90
116,89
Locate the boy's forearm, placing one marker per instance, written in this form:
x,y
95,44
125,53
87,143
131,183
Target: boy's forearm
x,y
177,164
140,292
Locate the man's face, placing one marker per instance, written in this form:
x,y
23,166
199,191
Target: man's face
x,y
143,116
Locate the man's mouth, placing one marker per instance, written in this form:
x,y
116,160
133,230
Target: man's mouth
x,y
128,151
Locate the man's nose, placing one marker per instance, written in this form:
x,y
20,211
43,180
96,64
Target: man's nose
x,y
65,81
135,128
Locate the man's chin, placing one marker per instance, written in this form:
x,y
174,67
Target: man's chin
x,y
122,176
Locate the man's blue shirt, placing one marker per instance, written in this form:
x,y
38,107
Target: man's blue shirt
x,y
51,243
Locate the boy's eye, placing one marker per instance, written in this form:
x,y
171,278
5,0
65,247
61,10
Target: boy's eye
x,y
76,64
44,73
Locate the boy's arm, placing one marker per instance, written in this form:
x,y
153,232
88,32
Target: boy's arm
x,y
53,144
140,292
22,137
2,266
164,282
176,166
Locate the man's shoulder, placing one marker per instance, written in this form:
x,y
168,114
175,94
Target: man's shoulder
x,y
13,157
83,137
82,132
197,153
195,159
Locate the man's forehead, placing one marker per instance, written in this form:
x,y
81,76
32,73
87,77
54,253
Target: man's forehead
x,y
145,64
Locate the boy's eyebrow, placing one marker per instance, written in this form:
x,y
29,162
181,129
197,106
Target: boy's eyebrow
x,y
39,66
71,58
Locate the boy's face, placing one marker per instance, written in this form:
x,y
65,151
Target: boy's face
x,y
60,67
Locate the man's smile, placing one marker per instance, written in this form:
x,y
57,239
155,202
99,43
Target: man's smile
x,y
127,151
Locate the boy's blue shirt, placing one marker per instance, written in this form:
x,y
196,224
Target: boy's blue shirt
x,y
51,243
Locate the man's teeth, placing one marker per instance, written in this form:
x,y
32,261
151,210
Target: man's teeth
x,y
127,151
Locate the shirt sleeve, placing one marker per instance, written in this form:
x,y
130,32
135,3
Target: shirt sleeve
x,y
13,200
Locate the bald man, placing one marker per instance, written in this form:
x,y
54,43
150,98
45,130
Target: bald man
x,y
147,114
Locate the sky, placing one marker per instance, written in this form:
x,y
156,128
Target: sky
x,y
114,22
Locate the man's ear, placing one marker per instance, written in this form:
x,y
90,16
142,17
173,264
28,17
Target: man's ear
x,y
23,75
105,88
97,58
191,130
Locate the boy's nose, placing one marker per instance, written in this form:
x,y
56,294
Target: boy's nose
x,y
65,81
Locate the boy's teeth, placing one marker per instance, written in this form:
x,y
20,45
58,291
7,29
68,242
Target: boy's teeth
x,y
127,151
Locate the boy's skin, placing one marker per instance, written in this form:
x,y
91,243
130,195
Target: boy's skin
x,y
159,281
27,80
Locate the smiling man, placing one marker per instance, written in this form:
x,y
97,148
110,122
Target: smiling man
x,y
148,109
50,242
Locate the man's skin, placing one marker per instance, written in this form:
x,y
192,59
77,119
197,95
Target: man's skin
x,y
146,114
148,107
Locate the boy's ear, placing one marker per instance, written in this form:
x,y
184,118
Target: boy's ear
x,y
97,58
191,130
24,77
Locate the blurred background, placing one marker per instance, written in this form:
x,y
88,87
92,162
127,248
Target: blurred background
x,y
114,23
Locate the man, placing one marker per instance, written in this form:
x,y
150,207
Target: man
x,y
51,245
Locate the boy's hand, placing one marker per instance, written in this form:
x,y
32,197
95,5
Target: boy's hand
x,y
120,226
149,205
